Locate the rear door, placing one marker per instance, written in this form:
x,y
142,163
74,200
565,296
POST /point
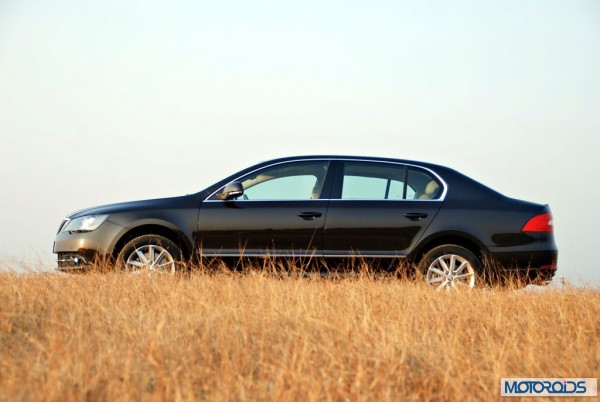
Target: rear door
x,y
282,212
380,209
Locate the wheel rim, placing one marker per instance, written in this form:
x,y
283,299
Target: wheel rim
x,y
451,271
150,258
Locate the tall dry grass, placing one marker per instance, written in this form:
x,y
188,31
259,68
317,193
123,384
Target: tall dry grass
x,y
255,336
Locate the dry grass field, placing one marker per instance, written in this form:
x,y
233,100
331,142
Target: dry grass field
x,y
259,337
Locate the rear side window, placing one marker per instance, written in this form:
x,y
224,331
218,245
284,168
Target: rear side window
x,y
387,181
373,181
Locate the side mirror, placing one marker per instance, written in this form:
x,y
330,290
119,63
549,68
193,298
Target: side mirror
x,y
232,190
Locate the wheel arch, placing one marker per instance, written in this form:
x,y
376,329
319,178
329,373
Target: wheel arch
x,y
462,239
175,236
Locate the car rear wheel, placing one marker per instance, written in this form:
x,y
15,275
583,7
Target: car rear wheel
x,y
450,267
149,253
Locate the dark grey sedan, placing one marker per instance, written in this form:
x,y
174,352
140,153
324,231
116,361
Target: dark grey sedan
x,y
447,225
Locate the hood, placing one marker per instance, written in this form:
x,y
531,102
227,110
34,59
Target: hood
x,y
142,205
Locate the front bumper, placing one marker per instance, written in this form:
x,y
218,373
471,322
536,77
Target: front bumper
x,y
74,261
80,250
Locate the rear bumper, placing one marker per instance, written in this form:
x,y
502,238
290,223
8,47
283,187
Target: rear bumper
x,y
536,266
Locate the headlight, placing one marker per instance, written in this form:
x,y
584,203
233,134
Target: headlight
x,y
84,224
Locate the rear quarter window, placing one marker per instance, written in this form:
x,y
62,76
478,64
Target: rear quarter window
x,y
422,185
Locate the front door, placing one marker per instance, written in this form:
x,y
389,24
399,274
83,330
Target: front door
x,y
282,213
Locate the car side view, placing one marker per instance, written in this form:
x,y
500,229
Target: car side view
x,y
447,225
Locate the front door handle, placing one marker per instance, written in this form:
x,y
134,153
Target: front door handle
x,y
309,216
415,216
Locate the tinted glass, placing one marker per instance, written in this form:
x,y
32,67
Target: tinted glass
x,y
386,181
373,181
289,181
422,185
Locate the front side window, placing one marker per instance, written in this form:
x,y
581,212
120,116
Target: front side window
x,y
288,181
387,181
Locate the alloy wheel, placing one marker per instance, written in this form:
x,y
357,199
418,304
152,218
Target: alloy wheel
x,y
150,258
451,271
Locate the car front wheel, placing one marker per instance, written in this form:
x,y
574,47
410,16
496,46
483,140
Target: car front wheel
x,y
450,267
149,253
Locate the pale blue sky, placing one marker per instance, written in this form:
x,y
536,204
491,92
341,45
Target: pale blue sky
x,y
113,101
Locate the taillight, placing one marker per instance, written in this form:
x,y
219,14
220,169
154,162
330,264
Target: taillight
x,y
539,223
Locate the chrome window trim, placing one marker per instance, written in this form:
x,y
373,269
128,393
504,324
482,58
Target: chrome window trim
x,y
207,199
440,199
327,199
437,176
375,200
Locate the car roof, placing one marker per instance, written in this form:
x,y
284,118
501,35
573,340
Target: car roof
x,y
354,157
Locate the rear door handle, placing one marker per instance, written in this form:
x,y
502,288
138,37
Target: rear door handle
x,y
309,216
415,216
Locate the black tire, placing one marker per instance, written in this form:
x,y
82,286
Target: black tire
x,y
434,263
152,253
